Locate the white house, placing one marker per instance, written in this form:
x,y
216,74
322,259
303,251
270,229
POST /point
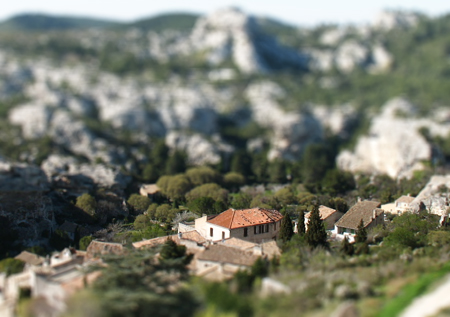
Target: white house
x,y
328,215
367,211
255,224
400,206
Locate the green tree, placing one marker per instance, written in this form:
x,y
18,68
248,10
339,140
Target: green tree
x,y
139,284
151,210
162,212
277,172
316,234
176,163
139,203
174,187
202,205
11,266
306,199
301,229
203,175
172,251
87,203
60,240
159,154
316,161
285,196
260,268
85,241
240,200
141,222
232,181
259,167
163,183
151,173
337,182
241,163
211,190
286,230
220,206
411,230
339,204
346,247
361,233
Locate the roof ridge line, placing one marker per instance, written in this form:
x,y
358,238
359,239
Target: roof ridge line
x,y
232,218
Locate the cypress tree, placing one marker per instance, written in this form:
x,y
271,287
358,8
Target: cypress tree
x,y
301,229
316,234
347,248
286,231
361,233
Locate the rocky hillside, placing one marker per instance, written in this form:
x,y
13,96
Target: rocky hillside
x,y
94,100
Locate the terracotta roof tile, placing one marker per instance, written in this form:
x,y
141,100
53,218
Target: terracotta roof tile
x,y
362,210
30,258
405,199
238,243
239,218
191,236
223,254
324,212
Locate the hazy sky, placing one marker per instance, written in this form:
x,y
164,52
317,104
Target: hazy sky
x,y
295,12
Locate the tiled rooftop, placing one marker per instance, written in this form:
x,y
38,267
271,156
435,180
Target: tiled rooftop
x,y
405,199
30,258
223,254
191,236
240,218
324,212
362,210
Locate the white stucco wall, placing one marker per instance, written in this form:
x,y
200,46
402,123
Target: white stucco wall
x,y
204,228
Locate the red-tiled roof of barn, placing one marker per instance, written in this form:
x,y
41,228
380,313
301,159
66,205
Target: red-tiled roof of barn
x,y
240,218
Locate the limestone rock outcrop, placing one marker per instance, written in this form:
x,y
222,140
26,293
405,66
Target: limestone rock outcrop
x,y
63,168
21,177
394,144
231,33
292,131
198,149
388,20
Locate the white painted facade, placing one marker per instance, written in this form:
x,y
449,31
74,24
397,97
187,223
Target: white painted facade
x,y
258,233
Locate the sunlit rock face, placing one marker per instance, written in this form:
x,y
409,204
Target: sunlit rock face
x,y
388,20
229,33
58,167
21,177
291,131
336,119
199,149
350,55
394,145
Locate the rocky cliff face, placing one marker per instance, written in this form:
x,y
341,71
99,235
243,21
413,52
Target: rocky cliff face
x,y
394,145
73,103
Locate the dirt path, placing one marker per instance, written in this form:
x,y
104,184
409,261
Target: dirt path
x,y
430,304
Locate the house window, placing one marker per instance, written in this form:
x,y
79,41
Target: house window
x,y
245,232
255,228
211,232
223,235
267,227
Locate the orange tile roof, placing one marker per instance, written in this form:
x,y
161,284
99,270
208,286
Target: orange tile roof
x,y
240,218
